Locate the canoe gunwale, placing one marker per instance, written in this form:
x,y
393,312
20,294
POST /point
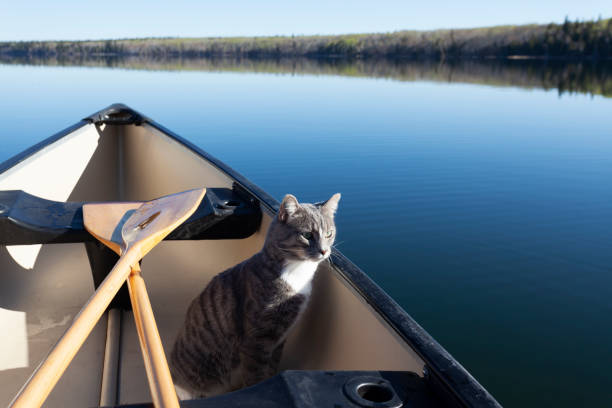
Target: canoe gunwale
x,y
20,157
439,362
455,379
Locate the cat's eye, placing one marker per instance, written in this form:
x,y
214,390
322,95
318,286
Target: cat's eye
x,y
329,234
307,235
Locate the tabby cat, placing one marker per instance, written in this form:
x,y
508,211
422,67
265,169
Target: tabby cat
x,y
234,331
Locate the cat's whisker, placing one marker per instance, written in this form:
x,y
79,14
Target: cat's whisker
x,y
335,246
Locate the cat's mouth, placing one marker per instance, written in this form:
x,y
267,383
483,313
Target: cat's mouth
x,y
321,256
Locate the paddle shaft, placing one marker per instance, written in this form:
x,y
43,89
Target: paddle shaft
x,y
156,366
44,378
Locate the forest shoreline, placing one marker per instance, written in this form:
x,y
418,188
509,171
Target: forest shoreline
x,y
586,40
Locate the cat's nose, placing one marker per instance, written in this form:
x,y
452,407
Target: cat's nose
x,y
323,251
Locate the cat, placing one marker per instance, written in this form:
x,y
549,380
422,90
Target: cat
x,y
235,330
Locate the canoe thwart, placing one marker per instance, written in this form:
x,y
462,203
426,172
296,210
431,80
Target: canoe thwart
x,y
26,219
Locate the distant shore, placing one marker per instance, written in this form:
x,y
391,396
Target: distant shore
x,y
570,40
575,76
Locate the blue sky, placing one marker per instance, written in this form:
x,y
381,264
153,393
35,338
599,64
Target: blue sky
x,y
77,20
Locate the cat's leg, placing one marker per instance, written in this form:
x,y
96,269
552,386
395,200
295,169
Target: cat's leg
x,y
215,379
259,363
182,393
254,366
274,361
210,389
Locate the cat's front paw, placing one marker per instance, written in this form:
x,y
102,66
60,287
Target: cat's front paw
x,y
182,393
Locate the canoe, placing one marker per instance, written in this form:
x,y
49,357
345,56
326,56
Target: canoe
x,y
354,346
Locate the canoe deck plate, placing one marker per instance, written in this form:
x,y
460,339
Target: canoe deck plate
x,y
313,388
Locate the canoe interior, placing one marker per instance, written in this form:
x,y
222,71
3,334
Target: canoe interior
x,y
44,287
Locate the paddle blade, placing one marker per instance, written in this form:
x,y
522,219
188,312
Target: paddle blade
x,y
105,220
154,220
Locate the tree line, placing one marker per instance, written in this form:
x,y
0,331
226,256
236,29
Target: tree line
x,y
569,40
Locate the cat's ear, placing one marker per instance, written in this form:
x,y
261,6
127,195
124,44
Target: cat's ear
x,y
287,208
331,205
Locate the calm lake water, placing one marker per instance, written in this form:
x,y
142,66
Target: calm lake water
x,y
485,211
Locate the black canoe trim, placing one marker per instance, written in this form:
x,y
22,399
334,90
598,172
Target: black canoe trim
x,y
439,362
264,198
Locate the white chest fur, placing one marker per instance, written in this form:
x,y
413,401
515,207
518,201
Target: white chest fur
x,y
298,275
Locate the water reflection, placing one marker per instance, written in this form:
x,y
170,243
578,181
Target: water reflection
x,y
566,77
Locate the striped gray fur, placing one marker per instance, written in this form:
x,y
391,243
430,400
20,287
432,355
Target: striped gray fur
x,y
235,330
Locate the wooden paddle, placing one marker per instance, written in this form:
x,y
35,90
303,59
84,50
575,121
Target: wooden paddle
x,y
140,229
99,220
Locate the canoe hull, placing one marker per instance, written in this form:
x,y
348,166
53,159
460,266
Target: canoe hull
x,y
350,323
